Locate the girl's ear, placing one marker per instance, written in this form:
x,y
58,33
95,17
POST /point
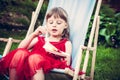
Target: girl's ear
x,y
66,25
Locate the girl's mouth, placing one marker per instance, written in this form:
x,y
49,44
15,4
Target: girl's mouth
x,y
54,30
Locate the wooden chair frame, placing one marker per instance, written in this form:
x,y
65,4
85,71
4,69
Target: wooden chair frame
x,y
92,44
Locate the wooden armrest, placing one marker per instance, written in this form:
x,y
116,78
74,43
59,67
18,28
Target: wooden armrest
x,y
88,48
69,71
6,40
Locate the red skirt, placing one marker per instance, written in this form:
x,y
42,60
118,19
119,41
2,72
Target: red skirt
x,y
37,61
26,63
14,59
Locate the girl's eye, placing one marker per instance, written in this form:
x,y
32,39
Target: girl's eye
x,y
51,22
59,22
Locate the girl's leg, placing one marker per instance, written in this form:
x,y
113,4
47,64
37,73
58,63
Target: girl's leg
x,y
35,62
12,74
17,63
39,75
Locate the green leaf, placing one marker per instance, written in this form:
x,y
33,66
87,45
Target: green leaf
x,y
103,32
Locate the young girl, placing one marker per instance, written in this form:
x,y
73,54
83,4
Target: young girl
x,y
51,51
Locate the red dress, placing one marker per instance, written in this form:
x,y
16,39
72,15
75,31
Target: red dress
x,y
26,63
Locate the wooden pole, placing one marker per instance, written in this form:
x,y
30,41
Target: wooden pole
x,y
78,63
8,46
34,17
94,51
91,38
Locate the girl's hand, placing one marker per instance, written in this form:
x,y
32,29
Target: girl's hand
x,y
40,30
53,50
49,47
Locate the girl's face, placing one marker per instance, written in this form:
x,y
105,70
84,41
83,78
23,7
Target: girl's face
x,y
56,26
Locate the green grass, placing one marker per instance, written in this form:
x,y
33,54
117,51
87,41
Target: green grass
x,y
107,64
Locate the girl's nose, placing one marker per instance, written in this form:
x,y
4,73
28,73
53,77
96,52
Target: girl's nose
x,y
54,24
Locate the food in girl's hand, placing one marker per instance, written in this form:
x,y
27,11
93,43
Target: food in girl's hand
x,y
49,47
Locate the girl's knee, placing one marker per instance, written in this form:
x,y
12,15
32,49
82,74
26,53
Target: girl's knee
x,y
19,58
22,53
34,59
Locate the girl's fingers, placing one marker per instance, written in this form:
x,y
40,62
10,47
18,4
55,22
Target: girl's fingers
x,y
43,30
40,30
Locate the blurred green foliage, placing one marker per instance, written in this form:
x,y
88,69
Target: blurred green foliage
x,y
109,27
22,8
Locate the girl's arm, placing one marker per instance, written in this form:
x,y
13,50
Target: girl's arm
x,y
53,50
30,41
68,46
67,53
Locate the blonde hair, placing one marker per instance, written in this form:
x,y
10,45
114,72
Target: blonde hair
x,y
60,12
